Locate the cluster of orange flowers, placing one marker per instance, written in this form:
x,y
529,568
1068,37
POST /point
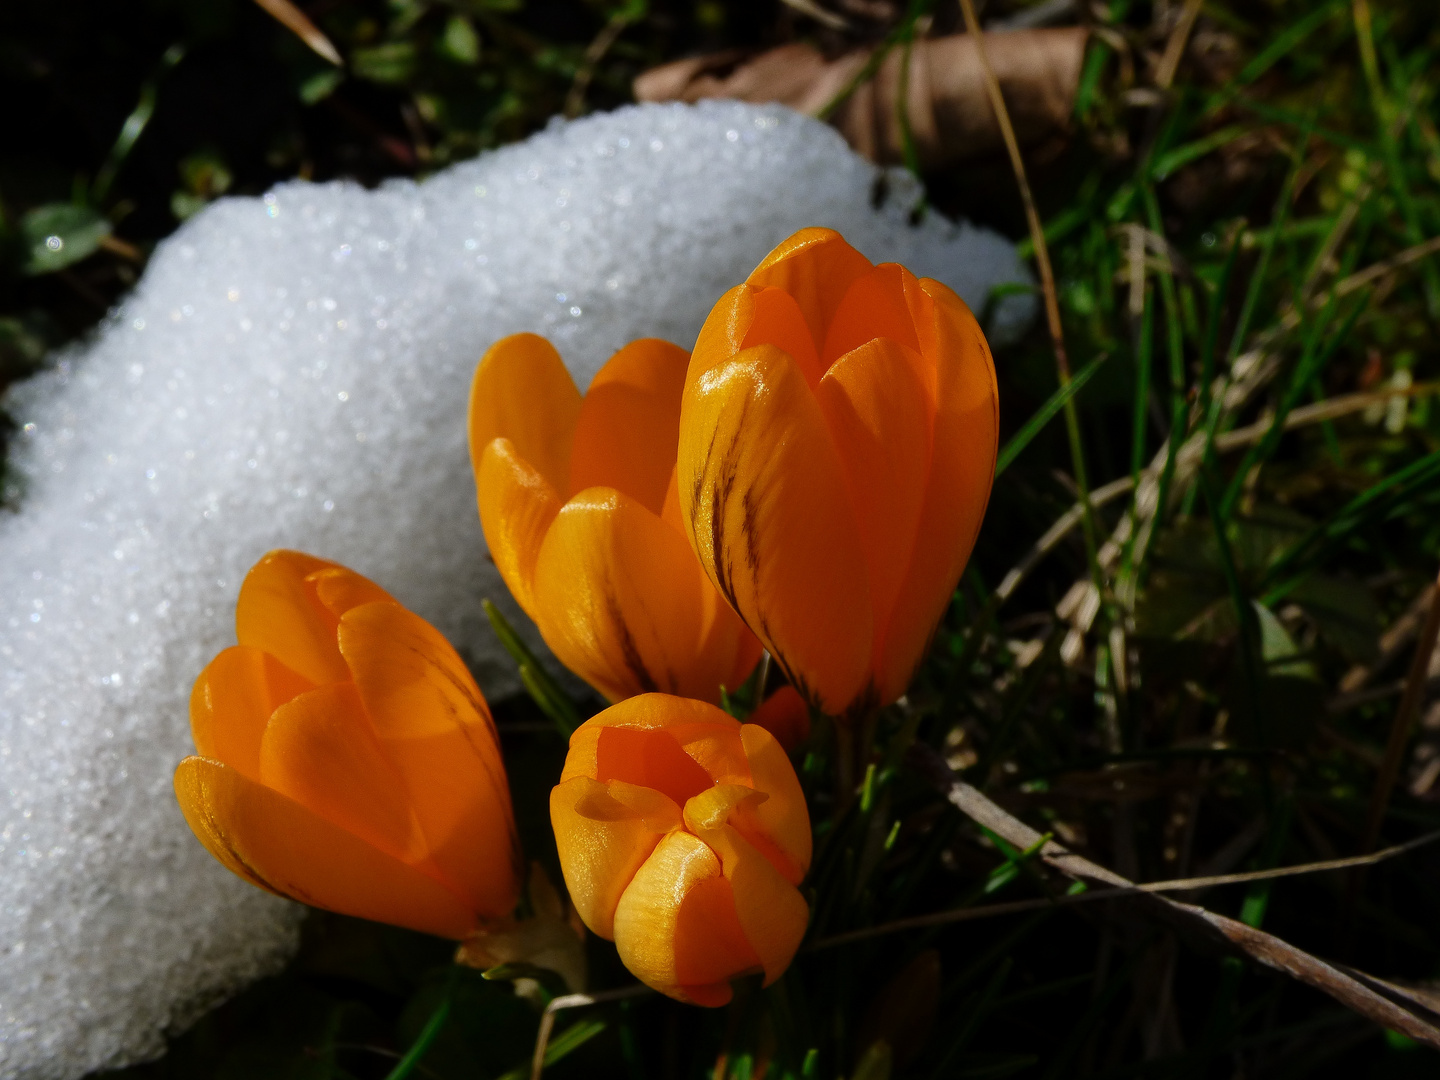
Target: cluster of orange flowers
x,y
809,481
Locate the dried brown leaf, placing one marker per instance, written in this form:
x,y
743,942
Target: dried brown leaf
x,y
950,116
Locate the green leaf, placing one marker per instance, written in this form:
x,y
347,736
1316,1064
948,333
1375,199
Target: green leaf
x,y
321,85
460,42
1278,649
185,205
393,62
58,234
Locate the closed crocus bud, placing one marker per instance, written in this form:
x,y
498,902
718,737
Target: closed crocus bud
x,y
346,758
786,716
682,835
578,503
837,445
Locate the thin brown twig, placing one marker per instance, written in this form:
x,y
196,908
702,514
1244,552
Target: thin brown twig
x,y
609,34
941,918
1354,990
1392,642
1047,275
1409,708
1344,702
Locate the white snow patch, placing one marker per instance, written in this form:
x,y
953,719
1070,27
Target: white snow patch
x,y
292,371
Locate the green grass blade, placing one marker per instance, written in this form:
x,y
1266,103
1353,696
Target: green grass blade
x,y
1175,348
1312,363
1385,114
134,125
1383,499
1285,43
1043,415
1172,160
545,691
1267,248
428,1034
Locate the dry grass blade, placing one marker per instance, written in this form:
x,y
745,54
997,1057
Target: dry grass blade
x,y
1191,919
819,14
1175,47
1187,459
1392,642
1047,282
1405,714
1361,278
987,911
585,74
300,25
572,1001
1032,215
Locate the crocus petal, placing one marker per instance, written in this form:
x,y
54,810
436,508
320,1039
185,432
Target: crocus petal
x,y
770,910
279,613
786,716
523,393
817,268
435,730
777,320
965,443
339,589
276,843
517,507
232,702
670,512
875,306
725,639
709,736
780,821
652,759
768,514
604,833
880,416
621,601
321,750
676,928
629,423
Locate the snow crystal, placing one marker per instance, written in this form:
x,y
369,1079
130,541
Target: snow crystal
x,y
292,371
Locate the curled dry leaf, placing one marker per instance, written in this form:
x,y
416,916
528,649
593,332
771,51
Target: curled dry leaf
x,y
552,937
949,114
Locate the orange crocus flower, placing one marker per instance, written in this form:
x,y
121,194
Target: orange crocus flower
x,y
837,446
682,835
578,503
347,759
